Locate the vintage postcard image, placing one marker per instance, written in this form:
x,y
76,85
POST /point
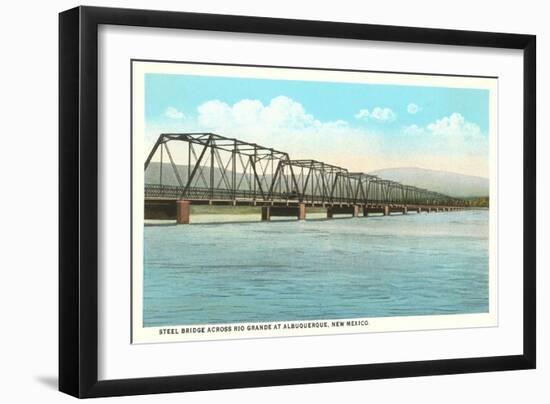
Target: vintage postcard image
x,y
282,202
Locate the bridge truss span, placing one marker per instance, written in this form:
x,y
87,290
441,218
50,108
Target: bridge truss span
x,y
207,168
211,166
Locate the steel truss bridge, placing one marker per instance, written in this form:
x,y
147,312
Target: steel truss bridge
x,y
206,168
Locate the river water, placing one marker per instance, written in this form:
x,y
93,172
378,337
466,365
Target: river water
x,y
284,270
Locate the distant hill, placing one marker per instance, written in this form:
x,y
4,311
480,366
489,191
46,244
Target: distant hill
x,y
452,184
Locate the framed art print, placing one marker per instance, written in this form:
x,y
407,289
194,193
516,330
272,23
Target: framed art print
x,y
249,201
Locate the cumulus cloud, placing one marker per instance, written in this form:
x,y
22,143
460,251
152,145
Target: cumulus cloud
x,y
413,130
448,127
412,108
455,126
455,138
451,143
285,124
280,120
377,113
282,115
281,112
173,113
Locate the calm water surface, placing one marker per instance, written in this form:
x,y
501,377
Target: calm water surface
x,y
316,269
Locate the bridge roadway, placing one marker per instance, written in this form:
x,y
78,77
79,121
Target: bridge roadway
x,y
165,204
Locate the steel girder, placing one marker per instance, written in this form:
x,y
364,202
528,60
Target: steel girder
x,y
218,167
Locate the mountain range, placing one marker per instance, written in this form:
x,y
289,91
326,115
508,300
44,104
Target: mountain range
x,y
448,183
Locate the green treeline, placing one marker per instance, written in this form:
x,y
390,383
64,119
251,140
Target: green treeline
x,y
478,202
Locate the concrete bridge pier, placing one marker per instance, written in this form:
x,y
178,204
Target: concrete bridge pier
x,y
386,210
183,211
419,210
405,210
301,214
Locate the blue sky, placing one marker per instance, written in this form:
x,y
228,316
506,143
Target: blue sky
x,y
361,126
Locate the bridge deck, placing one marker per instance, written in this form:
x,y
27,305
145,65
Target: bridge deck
x,y
205,196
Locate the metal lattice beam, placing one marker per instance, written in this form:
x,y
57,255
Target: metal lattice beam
x,y
217,167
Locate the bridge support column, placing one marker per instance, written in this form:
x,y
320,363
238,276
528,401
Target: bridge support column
x,y
365,211
405,210
301,211
183,211
386,210
355,210
266,213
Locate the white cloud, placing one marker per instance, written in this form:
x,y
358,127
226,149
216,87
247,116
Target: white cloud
x,y
412,108
455,126
377,113
281,120
173,113
413,130
362,114
284,124
213,113
455,138
281,112
450,143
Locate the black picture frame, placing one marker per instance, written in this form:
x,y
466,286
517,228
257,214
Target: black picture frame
x,y
78,200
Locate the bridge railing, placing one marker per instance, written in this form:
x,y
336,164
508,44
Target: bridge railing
x,y
176,192
153,191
